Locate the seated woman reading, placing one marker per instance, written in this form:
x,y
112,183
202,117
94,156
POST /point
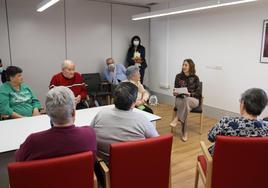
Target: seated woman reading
x,y
185,102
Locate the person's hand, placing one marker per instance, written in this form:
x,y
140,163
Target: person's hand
x,y
174,93
187,94
36,112
138,60
139,102
78,99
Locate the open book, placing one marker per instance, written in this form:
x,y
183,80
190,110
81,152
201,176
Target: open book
x,y
181,90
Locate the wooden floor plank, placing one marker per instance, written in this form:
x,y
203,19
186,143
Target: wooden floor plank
x,y
184,154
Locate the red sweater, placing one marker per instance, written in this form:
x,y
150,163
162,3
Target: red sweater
x,y
76,84
57,141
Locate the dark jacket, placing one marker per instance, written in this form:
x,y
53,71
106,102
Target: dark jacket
x,y
191,82
131,52
3,76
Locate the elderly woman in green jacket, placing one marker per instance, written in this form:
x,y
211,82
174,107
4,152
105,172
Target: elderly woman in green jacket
x,y
16,98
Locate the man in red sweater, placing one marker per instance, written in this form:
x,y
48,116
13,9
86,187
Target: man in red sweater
x,y
73,80
64,138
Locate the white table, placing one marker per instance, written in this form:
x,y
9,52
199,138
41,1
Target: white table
x,y
14,132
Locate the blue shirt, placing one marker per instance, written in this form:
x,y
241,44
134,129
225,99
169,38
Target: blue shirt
x,y
117,76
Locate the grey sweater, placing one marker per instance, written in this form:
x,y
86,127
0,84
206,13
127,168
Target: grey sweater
x,y
114,125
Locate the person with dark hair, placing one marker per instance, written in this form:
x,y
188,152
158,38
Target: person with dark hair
x,y
136,55
121,123
252,103
2,72
133,76
185,102
16,98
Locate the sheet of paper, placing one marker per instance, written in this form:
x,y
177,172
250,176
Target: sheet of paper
x,y
181,90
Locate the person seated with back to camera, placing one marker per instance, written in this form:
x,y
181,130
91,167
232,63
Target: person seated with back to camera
x,y
73,80
63,138
187,101
121,123
17,100
133,76
253,101
114,73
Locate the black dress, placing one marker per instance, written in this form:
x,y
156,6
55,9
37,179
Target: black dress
x,y
130,61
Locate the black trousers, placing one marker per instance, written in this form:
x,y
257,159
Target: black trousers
x,y
148,109
81,105
142,71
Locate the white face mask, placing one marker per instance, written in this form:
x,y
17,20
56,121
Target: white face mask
x,y
136,42
111,67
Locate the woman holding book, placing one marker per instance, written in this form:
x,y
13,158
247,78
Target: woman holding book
x,y
186,101
136,56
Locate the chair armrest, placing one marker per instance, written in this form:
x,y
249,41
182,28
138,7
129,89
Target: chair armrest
x,y
209,161
104,82
4,117
95,181
205,151
105,172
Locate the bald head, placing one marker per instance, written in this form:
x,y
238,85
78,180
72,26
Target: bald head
x,y
67,63
68,69
109,61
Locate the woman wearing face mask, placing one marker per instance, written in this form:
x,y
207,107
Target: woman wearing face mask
x,y
186,102
136,55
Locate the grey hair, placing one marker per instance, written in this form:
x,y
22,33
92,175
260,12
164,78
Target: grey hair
x,y
131,70
66,62
60,105
255,100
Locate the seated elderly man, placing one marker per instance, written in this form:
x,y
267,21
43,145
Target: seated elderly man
x,y
121,123
252,103
73,80
133,76
114,73
64,138
17,100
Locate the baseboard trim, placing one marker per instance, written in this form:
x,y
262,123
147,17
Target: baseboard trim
x,y
209,111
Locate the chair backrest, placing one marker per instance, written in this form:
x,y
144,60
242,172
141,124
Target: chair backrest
x,y
201,91
93,81
240,162
68,172
141,164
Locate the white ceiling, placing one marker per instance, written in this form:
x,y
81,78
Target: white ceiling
x,y
137,2
149,2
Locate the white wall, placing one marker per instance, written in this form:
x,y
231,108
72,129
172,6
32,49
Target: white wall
x,y
227,37
37,42
123,29
88,34
41,41
4,47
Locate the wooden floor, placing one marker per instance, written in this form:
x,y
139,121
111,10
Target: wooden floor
x,y
183,160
